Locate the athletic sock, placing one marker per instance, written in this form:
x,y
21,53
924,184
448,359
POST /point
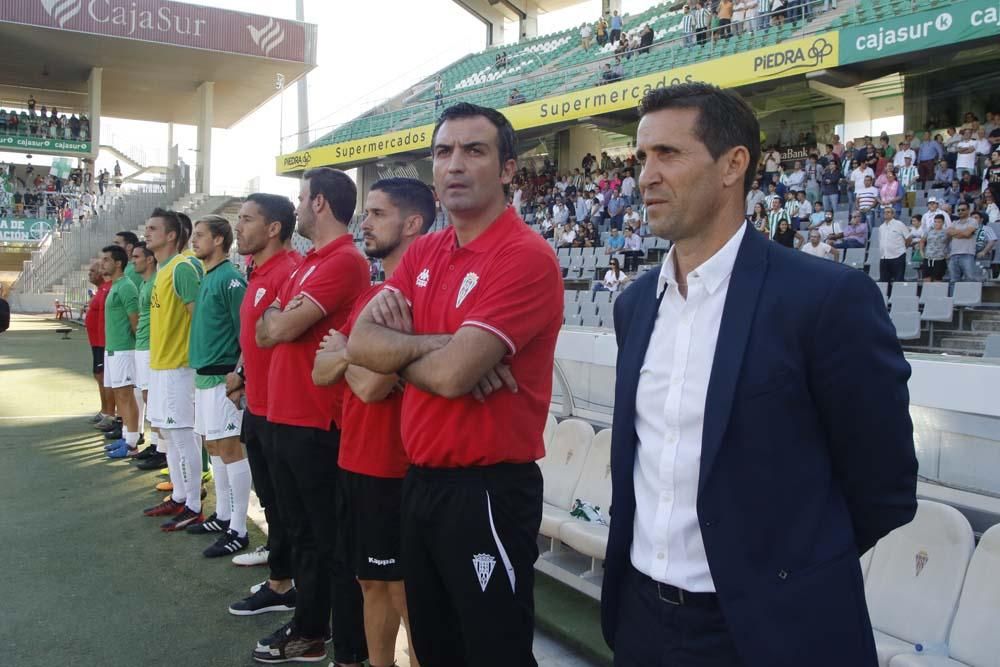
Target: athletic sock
x,y
187,443
141,405
154,440
173,467
239,484
223,501
131,437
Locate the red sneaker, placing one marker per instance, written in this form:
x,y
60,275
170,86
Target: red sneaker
x,y
167,508
186,517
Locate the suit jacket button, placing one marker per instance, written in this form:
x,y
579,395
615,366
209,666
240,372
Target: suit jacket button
x,y
782,574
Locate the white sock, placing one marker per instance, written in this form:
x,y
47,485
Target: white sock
x,y
239,483
185,441
154,440
141,405
173,467
223,503
131,437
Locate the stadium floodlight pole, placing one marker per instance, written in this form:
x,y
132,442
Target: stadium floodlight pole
x,y
279,84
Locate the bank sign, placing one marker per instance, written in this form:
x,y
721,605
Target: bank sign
x,y
958,22
31,230
43,145
166,22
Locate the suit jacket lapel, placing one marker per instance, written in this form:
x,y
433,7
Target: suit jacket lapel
x,y
737,317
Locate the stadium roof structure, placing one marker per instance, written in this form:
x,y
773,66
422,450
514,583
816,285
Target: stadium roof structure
x,y
154,56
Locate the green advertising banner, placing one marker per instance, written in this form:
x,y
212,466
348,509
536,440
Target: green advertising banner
x,y
959,22
31,230
57,146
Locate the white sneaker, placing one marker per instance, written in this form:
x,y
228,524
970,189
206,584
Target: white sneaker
x,y
256,557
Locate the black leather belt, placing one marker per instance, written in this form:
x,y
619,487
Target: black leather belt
x,y
675,596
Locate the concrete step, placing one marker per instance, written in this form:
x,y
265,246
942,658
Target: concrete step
x,y
963,343
986,326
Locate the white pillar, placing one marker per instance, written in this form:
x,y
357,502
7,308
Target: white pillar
x,y
496,32
857,109
94,92
529,24
302,90
203,169
611,6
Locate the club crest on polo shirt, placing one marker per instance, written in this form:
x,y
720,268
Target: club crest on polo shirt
x,y
484,564
422,279
261,291
468,284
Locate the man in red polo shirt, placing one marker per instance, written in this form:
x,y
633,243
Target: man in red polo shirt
x,y
263,228
372,459
318,296
94,323
466,308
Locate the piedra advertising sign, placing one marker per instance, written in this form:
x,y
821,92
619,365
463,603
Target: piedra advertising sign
x,y
944,26
166,22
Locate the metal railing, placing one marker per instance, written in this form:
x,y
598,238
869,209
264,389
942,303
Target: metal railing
x,y
62,256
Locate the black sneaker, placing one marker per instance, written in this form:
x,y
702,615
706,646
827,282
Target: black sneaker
x,y
152,462
182,520
264,600
114,434
212,524
227,544
280,632
290,647
146,453
141,441
109,425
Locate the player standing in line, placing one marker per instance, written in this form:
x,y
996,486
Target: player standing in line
x,y
121,316
215,350
372,460
305,421
263,229
94,323
127,241
462,305
171,380
144,263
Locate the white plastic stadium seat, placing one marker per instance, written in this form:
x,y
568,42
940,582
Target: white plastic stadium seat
x,y
591,539
907,324
902,290
968,294
974,640
904,304
933,291
915,579
992,350
561,472
937,309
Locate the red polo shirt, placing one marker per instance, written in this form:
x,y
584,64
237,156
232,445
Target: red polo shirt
x,y
507,282
262,290
371,443
332,278
94,319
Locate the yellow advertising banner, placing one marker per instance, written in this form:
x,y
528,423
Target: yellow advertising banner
x,y
782,60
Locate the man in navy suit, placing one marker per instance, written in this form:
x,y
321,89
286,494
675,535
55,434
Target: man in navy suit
x,y
762,440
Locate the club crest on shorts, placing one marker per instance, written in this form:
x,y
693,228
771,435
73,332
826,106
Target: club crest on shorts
x,y
468,283
422,279
921,560
484,564
261,291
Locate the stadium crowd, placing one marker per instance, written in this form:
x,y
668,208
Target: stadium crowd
x,y
34,121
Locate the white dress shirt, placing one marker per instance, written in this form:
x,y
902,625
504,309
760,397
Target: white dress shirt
x,y
892,238
670,412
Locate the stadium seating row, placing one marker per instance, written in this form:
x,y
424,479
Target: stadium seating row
x,y
926,583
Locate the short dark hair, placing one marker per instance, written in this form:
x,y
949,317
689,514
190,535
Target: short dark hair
x,y
118,254
171,220
276,208
141,245
506,141
410,196
219,226
337,189
186,229
130,237
725,120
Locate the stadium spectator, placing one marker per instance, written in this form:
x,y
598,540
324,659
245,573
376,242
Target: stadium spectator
x,y
589,235
891,192
829,230
989,206
819,248
632,250
899,157
986,238
614,278
438,93
94,323
628,188
991,176
775,215
796,181
646,37
962,246
754,197
31,103
855,234
724,12
560,213
934,250
601,32
567,239
930,153
581,207
894,238
616,208
867,198
615,242
702,21
830,186
616,27
688,26
785,235
758,219
952,194
516,97
909,180
631,220
965,150
586,36
457,488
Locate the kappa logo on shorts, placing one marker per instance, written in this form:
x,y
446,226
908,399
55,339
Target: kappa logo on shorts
x,y
484,564
422,279
261,291
170,420
230,426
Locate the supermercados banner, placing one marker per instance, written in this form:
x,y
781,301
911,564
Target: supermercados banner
x,y
959,22
786,59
